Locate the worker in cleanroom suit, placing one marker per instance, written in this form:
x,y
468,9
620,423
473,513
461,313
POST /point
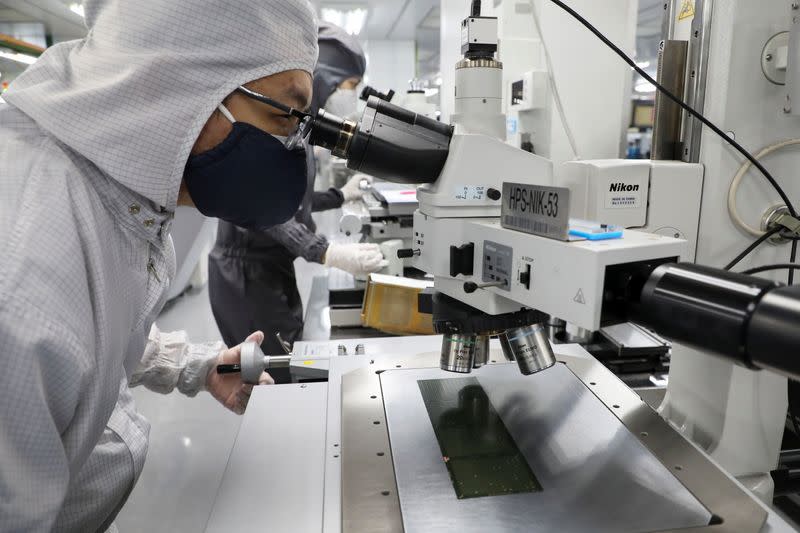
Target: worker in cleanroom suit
x,y
252,281
99,141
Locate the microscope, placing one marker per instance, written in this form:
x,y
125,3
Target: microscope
x,y
497,238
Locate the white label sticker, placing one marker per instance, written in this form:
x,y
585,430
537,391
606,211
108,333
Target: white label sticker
x,y
537,210
468,193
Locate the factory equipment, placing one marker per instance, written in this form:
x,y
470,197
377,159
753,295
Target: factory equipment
x,y
369,92
457,230
412,443
416,100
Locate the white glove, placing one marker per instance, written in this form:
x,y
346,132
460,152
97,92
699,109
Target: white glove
x,y
356,187
357,259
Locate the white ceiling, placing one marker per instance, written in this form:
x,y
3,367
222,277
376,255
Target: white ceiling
x,y
388,19
61,23
412,20
416,20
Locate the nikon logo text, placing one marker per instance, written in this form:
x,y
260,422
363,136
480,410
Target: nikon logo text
x,y
623,187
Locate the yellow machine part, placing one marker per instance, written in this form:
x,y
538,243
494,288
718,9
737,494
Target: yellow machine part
x,y
390,305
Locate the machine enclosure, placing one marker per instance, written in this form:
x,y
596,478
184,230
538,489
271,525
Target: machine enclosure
x,y
609,191
661,197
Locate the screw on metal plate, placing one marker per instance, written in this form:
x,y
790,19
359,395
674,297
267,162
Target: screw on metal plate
x,y
769,65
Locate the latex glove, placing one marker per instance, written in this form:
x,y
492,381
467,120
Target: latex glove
x,y
354,190
355,258
229,389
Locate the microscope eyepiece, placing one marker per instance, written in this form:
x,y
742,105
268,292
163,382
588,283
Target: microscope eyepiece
x,y
390,142
371,91
333,133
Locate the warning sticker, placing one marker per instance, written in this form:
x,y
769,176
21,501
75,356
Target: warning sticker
x,y
580,298
687,10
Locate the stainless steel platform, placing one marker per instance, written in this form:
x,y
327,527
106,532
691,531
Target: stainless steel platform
x,y
370,499
580,453
305,462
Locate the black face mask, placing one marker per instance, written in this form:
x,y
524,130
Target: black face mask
x,y
251,179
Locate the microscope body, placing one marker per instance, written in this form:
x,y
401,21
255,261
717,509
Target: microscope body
x,y
510,280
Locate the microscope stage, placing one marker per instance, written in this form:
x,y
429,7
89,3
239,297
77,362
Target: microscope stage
x,y
498,451
569,449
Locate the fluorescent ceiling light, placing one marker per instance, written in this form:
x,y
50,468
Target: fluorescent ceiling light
x,y
19,58
77,8
645,87
352,20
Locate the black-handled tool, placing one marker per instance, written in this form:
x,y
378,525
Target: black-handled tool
x,y
470,287
254,363
229,369
408,253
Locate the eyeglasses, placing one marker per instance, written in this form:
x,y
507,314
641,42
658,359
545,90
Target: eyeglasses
x,y
305,124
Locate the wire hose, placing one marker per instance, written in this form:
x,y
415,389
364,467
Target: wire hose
x,y
737,181
770,268
752,247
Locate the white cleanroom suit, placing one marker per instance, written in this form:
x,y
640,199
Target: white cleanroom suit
x,y
93,143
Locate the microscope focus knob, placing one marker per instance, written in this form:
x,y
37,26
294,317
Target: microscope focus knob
x,y
494,194
470,287
408,253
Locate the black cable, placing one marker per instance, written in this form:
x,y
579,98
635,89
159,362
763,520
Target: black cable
x,y
768,268
680,102
752,247
793,259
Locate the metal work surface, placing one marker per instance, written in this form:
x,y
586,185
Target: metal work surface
x,y
274,478
575,446
369,499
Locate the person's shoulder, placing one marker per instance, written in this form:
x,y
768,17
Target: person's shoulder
x,y
43,198
27,151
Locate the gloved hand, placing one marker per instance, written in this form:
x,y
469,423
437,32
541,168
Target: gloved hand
x,y
357,259
356,187
229,389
